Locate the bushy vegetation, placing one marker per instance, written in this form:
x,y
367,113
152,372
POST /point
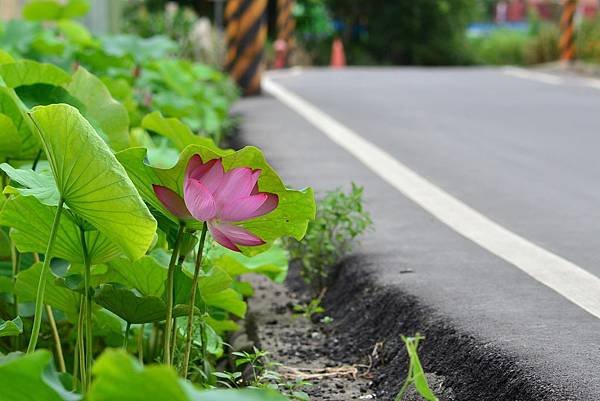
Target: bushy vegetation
x,y
588,41
341,218
123,223
504,46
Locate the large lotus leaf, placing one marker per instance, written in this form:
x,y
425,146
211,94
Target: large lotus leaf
x,y
228,300
32,234
44,94
110,115
11,106
11,327
176,131
10,140
75,32
118,376
56,296
139,49
5,57
295,209
91,181
39,184
146,275
129,305
28,72
31,377
52,10
272,263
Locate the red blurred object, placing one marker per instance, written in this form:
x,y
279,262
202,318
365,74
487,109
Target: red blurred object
x,y
338,58
281,50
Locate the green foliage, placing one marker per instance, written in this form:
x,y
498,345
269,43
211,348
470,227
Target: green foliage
x,y
119,377
31,377
416,375
11,327
79,217
588,41
308,310
340,219
109,200
500,47
428,32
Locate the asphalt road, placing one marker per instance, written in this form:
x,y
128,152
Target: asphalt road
x,y
521,150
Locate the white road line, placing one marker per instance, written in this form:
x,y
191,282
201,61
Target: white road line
x,y
571,281
592,83
533,75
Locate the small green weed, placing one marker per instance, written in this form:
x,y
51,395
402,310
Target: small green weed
x,y
416,375
340,219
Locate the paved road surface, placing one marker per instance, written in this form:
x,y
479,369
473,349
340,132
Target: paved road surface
x,y
520,148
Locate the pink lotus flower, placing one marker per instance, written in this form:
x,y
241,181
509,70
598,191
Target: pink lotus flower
x,y
220,198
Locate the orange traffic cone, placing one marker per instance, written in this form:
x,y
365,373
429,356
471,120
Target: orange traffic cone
x,y
338,58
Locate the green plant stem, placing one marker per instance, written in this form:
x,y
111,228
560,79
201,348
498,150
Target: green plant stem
x,y
39,300
75,364
87,306
170,296
36,160
80,344
141,344
190,323
126,339
57,342
16,266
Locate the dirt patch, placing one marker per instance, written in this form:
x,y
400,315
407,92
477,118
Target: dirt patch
x,y
368,320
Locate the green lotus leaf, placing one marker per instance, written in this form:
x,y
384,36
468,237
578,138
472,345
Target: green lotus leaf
x,y
101,109
52,10
176,131
29,72
56,296
272,263
75,32
146,275
10,140
129,305
295,209
118,376
11,327
12,107
39,184
91,181
228,300
31,377
32,234
5,57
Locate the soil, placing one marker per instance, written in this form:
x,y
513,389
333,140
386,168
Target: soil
x,y
362,344
319,352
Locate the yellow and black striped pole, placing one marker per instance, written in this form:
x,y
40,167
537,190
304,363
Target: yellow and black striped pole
x,y
246,35
567,31
285,21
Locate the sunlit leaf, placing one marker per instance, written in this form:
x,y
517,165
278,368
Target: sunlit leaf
x,y
176,131
10,140
52,10
29,72
228,300
108,114
290,218
11,327
40,185
32,234
91,181
272,263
